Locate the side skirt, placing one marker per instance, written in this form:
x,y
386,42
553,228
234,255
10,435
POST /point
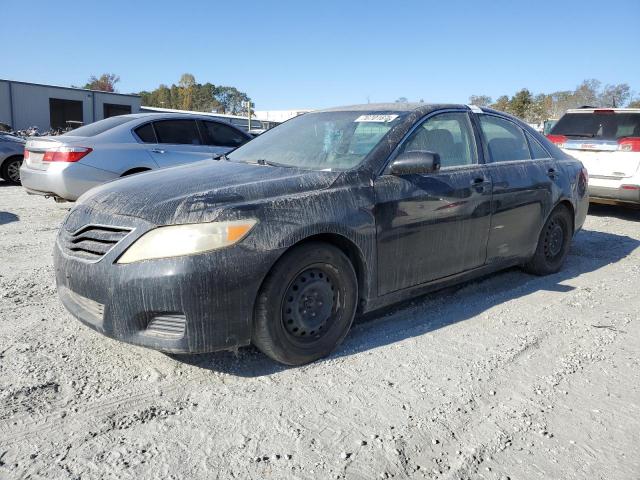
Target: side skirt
x,y
422,289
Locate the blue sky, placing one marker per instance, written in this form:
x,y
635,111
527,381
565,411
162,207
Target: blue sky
x,y
317,54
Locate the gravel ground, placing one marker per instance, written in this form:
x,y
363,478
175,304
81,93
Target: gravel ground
x,y
513,376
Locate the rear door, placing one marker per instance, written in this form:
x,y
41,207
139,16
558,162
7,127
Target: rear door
x,y
179,141
523,176
606,141
220,137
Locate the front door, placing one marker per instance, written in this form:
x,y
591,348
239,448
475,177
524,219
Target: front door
x,y
433,225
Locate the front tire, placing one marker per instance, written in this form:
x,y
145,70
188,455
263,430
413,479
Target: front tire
x,y
10,170
306,305
553,243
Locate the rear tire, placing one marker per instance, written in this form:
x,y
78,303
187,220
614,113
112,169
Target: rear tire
x,y
553,243
10,170
306,305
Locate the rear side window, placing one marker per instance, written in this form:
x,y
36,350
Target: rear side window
x,y
505,140
222,135
177,132
537,150
599,125
146,133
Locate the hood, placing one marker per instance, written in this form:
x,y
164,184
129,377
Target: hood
x,y
197,192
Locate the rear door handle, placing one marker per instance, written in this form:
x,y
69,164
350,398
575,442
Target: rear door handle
x,y
480,183
551,173
157,150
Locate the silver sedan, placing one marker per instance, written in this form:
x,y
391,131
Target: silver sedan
x,y
11,152
66,166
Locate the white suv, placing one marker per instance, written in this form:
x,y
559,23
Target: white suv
x,y
607,142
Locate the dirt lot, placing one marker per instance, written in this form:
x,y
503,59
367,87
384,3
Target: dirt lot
x,y
511,377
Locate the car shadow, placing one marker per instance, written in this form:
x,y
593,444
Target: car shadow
x,y
630,212
590,251
8,217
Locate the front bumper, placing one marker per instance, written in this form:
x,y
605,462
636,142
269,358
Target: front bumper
x,y
191,304
63,180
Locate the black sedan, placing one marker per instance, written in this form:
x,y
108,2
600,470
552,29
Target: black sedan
x,y
332,213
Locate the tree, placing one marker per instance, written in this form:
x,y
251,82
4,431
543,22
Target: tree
x,y
105,83
615,95
587,93
521,103
634,103
231,99
502,103
402,100
480,100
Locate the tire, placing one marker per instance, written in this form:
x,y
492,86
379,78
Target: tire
x,y
10,170
306,305
553,244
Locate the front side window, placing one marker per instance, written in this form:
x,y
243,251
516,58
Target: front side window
x,y
320,141
505,140
450,135
177,132
221,135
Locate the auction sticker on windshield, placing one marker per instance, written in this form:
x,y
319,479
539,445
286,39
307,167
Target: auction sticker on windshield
x,y
376,118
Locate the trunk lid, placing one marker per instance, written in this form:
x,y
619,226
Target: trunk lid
x,y
603,159
37,146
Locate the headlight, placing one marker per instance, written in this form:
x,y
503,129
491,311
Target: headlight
x,y
178,240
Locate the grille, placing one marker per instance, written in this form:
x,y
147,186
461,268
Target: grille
x,y
167,325
92,242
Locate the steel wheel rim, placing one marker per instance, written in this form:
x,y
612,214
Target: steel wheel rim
x,y
310,305
553,240
13,171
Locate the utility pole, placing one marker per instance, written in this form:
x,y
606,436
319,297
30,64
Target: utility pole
x,y
248,104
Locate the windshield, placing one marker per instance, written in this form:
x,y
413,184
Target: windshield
x,y
320,141
598,126
99,127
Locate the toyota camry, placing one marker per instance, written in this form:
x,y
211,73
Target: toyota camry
x,y
333,213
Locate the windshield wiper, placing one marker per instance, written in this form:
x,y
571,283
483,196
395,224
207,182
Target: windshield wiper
x,y
588,135
262,161
221,156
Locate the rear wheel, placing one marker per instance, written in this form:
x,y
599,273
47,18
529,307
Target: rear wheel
x,y
10,170
553,244
306,305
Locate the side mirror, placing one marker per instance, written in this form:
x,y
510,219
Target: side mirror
x,y
417,161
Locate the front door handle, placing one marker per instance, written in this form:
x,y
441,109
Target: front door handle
x,y
551,173
157,150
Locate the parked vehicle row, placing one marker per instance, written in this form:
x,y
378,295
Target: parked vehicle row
x,y
607,142
66,166
281,242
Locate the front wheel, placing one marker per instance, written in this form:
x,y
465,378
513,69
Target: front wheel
x,y
553,243
306,305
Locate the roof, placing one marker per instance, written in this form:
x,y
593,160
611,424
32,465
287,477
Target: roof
x,y
192,112
592,109
134,116
393,107
70,88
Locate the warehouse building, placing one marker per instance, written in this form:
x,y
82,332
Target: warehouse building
x,y
24,105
